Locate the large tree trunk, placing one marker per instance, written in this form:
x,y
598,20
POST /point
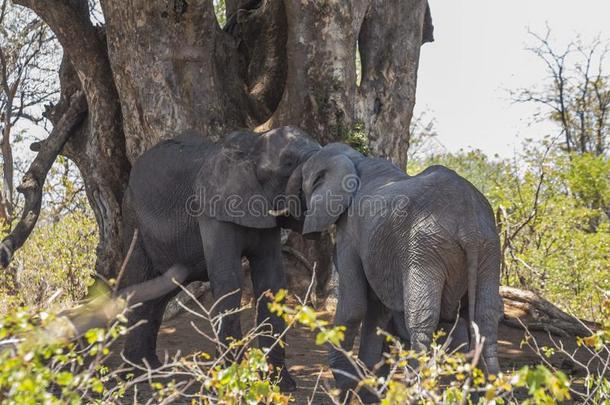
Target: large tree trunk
x,y
100,151
160,67
321,93
175,69
390,39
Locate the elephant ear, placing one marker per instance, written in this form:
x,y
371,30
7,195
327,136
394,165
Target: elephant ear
x,y
329,186
228,187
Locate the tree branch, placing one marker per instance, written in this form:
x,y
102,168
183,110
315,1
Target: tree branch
x,y
7,153
33,180
428,30
69,20
100,152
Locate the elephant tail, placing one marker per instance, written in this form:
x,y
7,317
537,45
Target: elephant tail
x,y
472,268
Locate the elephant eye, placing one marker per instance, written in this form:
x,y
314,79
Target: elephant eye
x,y
289,164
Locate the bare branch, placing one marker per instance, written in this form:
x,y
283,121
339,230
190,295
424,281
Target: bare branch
x,y
70,22
573,95
33,180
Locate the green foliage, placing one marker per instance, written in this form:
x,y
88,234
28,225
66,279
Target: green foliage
x,y
32,372
220,9
488,175
59,257
544,386
588,179
552,212
356,138
438,376
35,370
37,365
308,317
248,380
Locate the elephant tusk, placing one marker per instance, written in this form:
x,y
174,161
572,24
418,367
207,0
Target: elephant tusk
x,y
279,213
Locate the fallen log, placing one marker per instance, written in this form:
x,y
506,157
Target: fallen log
x,y
533,326
175,306
527,310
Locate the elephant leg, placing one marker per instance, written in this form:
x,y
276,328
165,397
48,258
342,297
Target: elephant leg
x,y
488,310
144,319
372,344
141,343
267,275
398,328
423,287
222,250
458,333
351,310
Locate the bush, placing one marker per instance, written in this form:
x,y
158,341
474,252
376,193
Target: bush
x,y
35,369
38,365
56,372
57,261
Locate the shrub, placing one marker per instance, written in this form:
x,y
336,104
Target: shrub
x,y
35,369
57,260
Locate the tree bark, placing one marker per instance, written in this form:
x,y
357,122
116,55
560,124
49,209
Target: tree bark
x,y
321,94
174,70
10,91
320,86
100,150
390,40
33,180
259,29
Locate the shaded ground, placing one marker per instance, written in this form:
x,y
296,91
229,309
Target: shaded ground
x,y
307,361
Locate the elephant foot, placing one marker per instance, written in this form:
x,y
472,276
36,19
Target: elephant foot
x,y
368,397
474,397
286,382
142,362
365,397
491,364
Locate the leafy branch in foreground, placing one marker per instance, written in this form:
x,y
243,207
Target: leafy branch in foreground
x,y
33,371
438,376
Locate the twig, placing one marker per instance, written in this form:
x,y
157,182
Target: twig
x,y
132,246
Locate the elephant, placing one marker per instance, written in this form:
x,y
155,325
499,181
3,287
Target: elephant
x,y
198,208
418,246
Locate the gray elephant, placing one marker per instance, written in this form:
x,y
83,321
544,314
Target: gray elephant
x,y
199,207
418,245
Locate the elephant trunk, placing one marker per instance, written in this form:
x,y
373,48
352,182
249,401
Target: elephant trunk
x,y
295,203
292,203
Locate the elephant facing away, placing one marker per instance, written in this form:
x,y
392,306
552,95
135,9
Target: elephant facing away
x,y
200,207
414,245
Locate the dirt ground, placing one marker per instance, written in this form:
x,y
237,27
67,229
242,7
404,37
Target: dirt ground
x,y
307,361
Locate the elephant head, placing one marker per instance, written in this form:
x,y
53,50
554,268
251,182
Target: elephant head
x,y
326,183
245,181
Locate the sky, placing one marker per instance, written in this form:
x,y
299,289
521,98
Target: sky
x,y
479,54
